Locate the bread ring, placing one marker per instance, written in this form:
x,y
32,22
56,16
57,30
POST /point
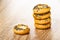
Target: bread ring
x,y
41,9
46,26
21,29
43,21
44,16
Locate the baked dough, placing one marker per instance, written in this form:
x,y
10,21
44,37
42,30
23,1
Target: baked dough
x,y
41,9
21,29
43,21
45,26
43,16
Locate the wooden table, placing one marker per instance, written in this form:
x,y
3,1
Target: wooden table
x,y
11,16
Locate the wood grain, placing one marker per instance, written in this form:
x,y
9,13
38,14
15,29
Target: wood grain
x,y
9,17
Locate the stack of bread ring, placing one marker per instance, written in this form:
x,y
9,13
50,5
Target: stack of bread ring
x,y
42,18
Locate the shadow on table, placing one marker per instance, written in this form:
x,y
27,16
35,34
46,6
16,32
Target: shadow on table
x,y
21,37
43,34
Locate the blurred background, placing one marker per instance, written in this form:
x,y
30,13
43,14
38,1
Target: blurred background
x,y
23,8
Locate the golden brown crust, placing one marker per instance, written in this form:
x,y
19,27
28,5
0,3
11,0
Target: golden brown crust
x,y
44,21
26,31
42,26
21,29
41,16
41,9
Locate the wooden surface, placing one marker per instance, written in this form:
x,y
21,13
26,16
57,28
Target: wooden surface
x,y
10,15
